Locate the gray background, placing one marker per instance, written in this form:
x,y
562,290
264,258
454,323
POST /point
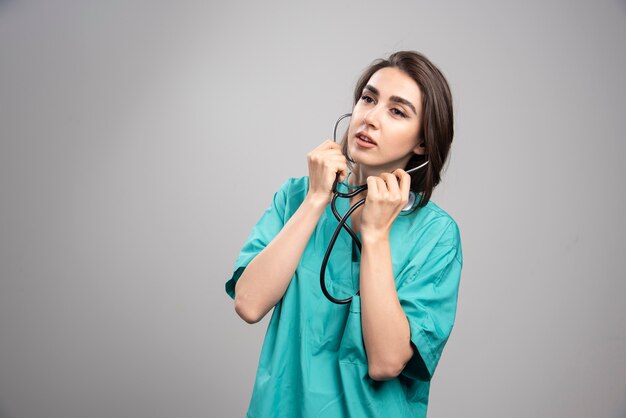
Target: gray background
x,y
141,141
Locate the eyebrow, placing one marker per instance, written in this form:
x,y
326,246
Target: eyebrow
x,y
396,99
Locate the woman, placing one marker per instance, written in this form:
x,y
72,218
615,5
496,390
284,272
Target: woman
x,y
375,356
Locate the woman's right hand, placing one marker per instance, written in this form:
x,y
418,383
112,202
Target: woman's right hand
x,y
325,162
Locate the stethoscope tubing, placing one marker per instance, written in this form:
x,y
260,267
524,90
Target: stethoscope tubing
x,y
343,222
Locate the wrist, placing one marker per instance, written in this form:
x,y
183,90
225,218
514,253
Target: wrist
x,y
374,236
317,200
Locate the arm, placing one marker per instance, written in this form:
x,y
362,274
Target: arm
x,y
386,331
266,278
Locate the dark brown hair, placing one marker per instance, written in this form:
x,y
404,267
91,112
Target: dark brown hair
x,y
436,121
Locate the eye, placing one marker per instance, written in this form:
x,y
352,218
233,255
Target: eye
x,y
398,112
367,98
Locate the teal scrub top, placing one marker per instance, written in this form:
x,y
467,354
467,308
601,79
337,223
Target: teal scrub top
x,y
313,361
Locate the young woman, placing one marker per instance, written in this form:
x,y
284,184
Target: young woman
x,y
374,356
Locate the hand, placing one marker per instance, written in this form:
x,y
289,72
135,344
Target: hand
x,y
387,195
325,162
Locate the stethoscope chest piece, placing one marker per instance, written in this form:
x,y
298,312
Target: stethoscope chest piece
x,y
410,203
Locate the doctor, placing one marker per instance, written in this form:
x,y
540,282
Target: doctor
x,y
375,356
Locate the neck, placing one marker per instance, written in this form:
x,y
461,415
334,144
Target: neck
x,y
361,172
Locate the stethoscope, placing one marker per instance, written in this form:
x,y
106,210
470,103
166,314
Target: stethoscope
x,y
343,219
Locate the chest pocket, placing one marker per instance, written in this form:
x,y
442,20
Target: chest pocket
x,y
329,321
337,328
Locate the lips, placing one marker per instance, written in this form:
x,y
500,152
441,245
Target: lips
x,y
365,137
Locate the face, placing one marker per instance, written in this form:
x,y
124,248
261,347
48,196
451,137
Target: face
x,y
389,115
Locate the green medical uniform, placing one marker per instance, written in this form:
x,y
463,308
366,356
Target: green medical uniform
x,y
313,361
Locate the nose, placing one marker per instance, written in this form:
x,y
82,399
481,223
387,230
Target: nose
x,y
371,117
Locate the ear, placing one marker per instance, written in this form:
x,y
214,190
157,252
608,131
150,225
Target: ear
x,y
420,149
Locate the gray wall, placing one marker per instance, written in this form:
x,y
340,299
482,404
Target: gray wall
x,y
141,141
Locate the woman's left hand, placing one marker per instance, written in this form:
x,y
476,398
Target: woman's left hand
x,y
387,195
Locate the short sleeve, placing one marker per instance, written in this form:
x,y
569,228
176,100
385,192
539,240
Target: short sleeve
x,y
429,300
270,224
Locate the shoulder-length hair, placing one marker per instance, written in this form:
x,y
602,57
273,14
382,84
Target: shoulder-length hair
x,y
436,121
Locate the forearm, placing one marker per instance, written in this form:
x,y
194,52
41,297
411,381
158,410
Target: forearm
x,y
386,331
266,278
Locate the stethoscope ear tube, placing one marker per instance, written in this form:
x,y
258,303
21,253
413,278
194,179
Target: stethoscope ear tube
x,y
342,117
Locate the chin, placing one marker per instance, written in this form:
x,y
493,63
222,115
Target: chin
x,y
353,152
356,155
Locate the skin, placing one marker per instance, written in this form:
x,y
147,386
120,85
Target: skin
x,y
395,128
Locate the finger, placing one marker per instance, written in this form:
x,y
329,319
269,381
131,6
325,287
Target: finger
x,y
383,192
327,145
332,144
337,166
405,182
343,172
335,157
372,186
392,183
334,152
